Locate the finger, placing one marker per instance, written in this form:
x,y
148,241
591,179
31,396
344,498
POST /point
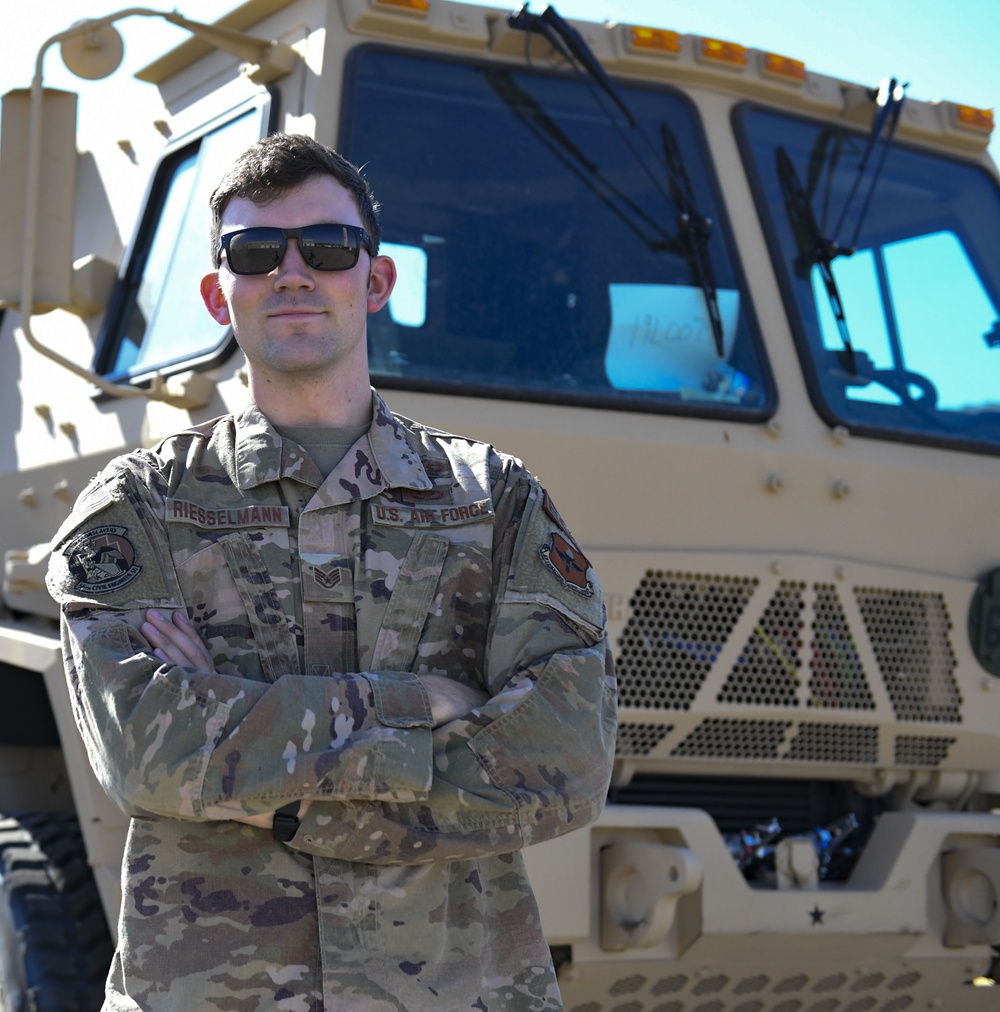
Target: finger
x,y
193,644
176,641
164,646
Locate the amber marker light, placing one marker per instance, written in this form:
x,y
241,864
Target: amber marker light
x,y
419,6
785,67
654,40
975,119
730,53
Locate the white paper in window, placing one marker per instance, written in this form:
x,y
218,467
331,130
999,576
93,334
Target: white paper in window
x,y
661,337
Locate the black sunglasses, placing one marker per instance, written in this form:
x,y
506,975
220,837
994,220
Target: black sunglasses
x,y
260,249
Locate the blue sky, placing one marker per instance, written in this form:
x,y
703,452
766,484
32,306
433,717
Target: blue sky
x,y
943,49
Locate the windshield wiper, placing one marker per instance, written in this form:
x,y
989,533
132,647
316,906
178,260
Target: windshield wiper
x,y
550,134
817,248
694,226
814,247
571,45
696,229
889,101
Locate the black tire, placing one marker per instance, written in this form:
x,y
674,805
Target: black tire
x,y
55,949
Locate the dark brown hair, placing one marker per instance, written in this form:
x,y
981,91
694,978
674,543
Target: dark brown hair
x,y
281,162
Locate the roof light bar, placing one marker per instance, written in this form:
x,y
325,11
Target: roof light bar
x,y
784,67
416,6
974,119
732,54
654,40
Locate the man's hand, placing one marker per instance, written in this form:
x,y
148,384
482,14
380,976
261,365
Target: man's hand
x,y
450,699
177,642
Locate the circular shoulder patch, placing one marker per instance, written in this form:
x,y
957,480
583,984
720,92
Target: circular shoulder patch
x,y
102,560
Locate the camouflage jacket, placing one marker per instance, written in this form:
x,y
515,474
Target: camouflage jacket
x,y
321,602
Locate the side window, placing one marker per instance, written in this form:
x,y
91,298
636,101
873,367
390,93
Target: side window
x,y
157,318
541,254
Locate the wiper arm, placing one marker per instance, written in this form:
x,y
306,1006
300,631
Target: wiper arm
x,y
570,44
814,247
889,104
549,133
695,227
577,45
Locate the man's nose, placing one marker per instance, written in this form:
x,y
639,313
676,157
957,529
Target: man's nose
x,y
293,271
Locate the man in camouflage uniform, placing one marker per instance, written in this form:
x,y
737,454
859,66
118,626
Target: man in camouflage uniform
x,y
338,667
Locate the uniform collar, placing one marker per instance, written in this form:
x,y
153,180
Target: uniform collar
x,y
386,457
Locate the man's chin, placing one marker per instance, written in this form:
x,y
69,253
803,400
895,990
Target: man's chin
x,y
308,359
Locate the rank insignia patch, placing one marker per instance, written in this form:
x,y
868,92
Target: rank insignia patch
x,y
568,563
102,560
328,578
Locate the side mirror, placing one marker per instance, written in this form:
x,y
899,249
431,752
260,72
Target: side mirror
x,y
49,246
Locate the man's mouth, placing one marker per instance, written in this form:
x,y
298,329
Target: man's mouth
x,y
295,311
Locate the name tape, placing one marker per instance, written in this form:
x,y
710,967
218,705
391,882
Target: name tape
x,y
181,511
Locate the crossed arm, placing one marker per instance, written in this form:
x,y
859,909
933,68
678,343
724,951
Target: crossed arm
x,y
177,642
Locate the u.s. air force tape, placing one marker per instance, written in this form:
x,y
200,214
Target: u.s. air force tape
x,y
395,514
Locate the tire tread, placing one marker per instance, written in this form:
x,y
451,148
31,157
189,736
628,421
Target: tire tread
x,y
56,912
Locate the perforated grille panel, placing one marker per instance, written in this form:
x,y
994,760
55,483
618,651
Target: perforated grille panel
x,y
640,739
831,743
909,633
734,739
838,678
720,645
766,672
678,626
914,750
713,990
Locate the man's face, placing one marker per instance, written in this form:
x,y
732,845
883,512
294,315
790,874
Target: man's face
x,y
297,321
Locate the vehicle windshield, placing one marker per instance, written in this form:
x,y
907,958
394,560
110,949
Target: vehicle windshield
x,y
539,251
919,295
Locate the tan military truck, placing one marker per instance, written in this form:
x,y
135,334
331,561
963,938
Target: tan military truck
x,y
740,317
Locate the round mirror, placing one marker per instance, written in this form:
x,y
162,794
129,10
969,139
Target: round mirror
x,y
93,52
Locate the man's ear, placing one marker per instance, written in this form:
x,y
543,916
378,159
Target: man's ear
x,y
381,281
215,299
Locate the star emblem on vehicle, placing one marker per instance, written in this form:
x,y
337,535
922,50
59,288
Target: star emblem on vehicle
x,y
817,915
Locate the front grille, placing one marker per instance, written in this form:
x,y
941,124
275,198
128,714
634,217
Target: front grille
x,y
715,667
